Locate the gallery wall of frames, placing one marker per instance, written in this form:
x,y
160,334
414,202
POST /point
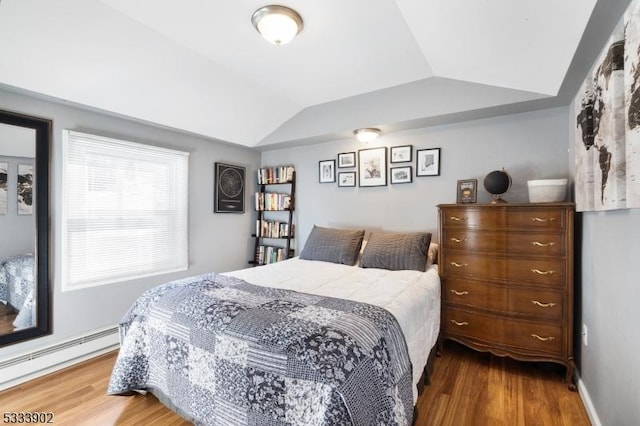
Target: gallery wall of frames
x,y
379,166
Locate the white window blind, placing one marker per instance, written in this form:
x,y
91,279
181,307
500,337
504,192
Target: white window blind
x,y
124,210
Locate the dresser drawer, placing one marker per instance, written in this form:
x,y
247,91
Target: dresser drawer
x,y
537,244
545,304
506,332
539,271
500,217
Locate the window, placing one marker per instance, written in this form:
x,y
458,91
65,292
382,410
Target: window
x,y
124,210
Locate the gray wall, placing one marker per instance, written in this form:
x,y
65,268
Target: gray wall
x,y
608,301
529,146
217,242
17,232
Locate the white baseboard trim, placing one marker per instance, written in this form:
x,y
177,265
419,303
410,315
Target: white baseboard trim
x,y
586,400
39,362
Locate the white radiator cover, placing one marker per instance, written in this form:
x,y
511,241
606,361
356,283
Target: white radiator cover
x,y
30,365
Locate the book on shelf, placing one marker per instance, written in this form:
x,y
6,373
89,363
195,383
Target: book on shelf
x,y
272,201
270,254
272,229
270,175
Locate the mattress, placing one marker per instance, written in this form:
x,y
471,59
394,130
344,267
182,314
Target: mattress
x,y
413,297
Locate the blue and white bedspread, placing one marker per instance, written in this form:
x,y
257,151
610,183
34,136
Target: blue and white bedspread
x,y
17,288
221,351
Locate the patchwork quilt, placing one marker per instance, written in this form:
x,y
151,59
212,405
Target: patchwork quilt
x,y
221,351
17,287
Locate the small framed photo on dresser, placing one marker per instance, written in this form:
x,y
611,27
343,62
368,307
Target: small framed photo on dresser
x,y
467,191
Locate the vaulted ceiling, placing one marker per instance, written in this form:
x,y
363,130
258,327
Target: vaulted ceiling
x,y
199,65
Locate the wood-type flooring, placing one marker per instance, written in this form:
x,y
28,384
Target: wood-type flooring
x,y
467,388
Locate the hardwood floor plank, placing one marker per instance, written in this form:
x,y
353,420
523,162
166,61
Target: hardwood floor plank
x,y
478,389
468,388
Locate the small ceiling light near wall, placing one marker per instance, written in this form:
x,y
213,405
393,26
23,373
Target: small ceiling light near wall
x,y
277,24
366,135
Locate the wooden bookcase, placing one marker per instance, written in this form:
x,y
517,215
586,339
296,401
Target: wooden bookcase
x,y
275,204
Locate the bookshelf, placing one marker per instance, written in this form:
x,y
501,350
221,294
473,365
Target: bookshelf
x,y
275,204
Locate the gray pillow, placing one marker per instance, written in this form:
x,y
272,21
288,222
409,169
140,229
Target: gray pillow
x,y
333,245
396,251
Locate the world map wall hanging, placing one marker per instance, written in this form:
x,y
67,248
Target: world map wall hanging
x,y
608,124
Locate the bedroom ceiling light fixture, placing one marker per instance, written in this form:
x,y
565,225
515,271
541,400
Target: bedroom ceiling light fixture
x,y
277,24
367,134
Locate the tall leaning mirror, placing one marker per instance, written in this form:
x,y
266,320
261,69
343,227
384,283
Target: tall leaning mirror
x,y
24,227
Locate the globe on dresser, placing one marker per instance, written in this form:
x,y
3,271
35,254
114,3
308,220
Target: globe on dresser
x,y
497,183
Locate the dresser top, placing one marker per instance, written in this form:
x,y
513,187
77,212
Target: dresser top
x,y
503,205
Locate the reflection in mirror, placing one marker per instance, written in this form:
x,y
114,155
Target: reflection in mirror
x,y
24,231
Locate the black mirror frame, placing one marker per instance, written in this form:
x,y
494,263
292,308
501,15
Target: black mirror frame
x,y
43,128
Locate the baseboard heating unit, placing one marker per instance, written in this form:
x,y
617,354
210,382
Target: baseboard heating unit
x,y
21,368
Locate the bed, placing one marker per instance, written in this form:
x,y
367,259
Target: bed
x,y
17,288
303,341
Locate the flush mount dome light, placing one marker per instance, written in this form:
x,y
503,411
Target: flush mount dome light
x,y
277,24
368,134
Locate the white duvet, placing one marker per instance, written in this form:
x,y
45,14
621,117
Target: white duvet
x,y
413,297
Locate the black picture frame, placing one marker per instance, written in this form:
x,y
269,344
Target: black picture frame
x,y
467,191
372,166
25,189
327,171
401,154
428,162
347,179
346,159
230,183
4,189
402,174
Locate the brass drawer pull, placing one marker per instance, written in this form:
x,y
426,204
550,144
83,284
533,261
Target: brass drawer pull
x,y
544,305
458,265
538,271
543,219
458,240
544,339
459,293
457,219
536,243
462,324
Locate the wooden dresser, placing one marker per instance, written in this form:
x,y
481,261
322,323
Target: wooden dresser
x,y
507,279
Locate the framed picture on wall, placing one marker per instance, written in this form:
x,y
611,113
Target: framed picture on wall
x,y
4,192
229,188
25,188
400,154
327,171
347,179
428,162
346,159
401,174
372,166
467,191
